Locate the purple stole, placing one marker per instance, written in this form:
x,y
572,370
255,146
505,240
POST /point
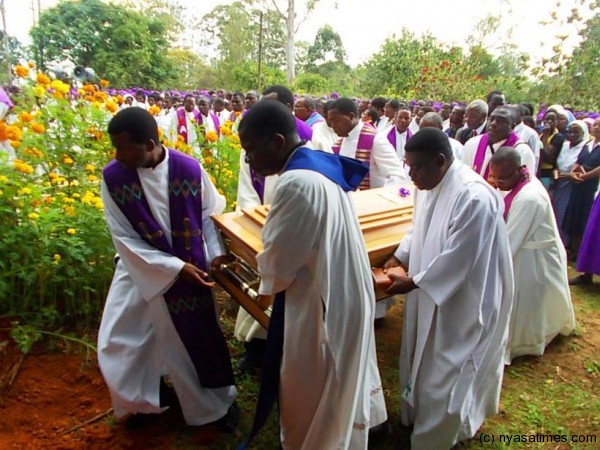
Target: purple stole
x,y
182,125
363,150
215,119
513,138
314,118
513,193
191,307
391,136
258,181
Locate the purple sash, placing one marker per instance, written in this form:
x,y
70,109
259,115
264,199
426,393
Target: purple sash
x,y
182,125
513,138
391,136
513,193
191,306
363,150
314,118
215,119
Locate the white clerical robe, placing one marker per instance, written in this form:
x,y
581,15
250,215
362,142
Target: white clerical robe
x,y
190,127
137,341
470,151
385,168
456,321
314,251
542,307
323,138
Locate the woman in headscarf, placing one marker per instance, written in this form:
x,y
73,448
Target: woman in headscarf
x,y
588,260
567,174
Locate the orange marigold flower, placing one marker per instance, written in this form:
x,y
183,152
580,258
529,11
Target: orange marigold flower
x,y
22,166
111,106
89,88
58,95
120,99
24,116
43,79
22,71
154,110
104,83
38,128
13,133
3,131
33,152
31,64
212,136
15,144
88,98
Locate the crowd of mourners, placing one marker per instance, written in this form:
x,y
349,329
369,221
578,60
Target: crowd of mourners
x,y
504,196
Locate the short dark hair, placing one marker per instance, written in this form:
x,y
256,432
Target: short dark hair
x,y
284,95
394,104
327,106
267,118
378,102
137,122
372,113
492,93
430,141
344,106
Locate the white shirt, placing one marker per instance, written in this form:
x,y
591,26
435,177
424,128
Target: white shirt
x,y
531,138
568,156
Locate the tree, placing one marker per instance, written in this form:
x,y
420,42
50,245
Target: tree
x,y
191,71
286,9
17,54
232,33
327,47
119,43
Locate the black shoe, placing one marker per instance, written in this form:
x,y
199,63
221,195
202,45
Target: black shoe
x,y
379,433
581,280
139,421
252,358
229,421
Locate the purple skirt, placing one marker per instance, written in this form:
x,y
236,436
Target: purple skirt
x,y
588,260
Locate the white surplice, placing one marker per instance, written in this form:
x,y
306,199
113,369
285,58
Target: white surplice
x,y
542,307
323,138
330,389
456,321
526,153
137,341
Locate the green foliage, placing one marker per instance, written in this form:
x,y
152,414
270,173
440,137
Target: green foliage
x,y
117,42
327,47
575,80
245,76
232,32
190,71
17,53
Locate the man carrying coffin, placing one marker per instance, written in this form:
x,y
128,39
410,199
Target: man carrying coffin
x,y
542,306
460,291
159,318
321,351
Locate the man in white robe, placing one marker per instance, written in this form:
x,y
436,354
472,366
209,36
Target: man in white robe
x,y
542,306
460,290
138,342
499,133
314,255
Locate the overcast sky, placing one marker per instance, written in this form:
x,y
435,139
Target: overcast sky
x,y
364,24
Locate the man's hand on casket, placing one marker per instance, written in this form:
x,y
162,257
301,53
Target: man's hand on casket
x,y
194,275
215,266
400,285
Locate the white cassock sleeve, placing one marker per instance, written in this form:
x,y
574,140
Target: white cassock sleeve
x,y
448,271
522,215
402,253
212,203
151,270
289,237
384,155
247,196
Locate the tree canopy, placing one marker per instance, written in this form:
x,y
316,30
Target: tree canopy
x,y
118,42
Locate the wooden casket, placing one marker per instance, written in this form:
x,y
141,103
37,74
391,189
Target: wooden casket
x,y
384,214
